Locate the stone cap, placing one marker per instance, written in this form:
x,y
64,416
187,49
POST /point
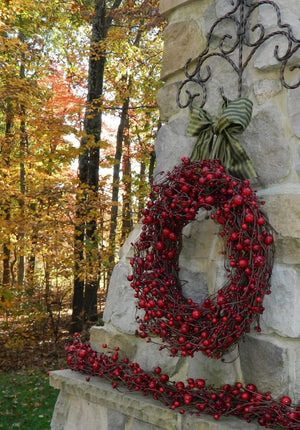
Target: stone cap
x,y
135,405
166,6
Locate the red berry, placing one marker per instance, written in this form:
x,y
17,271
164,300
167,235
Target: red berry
x,y
180,385
268,239
293,415
246,191
187,398
249,218
234,236
245,396
243,263
164,378
166,232
209,200
238,200
82,353
200,383
196,314
221,300
285,400
159,246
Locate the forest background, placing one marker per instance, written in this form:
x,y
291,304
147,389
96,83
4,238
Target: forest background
x,y
78,119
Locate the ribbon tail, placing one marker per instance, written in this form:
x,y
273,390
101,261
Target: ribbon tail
x,y
202,148
237,161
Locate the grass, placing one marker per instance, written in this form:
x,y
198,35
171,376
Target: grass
x,y
26,400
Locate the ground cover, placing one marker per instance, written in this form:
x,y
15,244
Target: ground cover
x,y
26,354
26,400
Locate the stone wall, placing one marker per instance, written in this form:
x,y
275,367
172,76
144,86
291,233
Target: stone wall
x,y
270,359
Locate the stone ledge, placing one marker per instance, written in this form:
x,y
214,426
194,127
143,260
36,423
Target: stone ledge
x,y
150,415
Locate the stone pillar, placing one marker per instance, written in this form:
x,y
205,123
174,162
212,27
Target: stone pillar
x,y
270,359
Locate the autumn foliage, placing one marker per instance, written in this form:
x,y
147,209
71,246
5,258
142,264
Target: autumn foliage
x,y
45,50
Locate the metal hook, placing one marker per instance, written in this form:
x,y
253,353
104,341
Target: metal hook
x,y
222,93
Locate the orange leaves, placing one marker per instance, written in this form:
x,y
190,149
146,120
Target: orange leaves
x,y
63,101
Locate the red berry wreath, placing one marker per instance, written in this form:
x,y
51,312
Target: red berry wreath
x,y
217,324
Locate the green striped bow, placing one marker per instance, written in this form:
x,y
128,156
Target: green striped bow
x,y
235,117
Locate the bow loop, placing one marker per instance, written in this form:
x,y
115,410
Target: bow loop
x,y
215,138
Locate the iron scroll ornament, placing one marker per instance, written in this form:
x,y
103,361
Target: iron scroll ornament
x,y
238,49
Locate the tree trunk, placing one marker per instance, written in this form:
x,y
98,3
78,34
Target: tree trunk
x,y
116,185
152,166
126,207
6,204
141,197
23,145
124,124
30,272
86,241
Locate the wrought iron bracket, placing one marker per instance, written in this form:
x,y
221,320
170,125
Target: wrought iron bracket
x,y
238,49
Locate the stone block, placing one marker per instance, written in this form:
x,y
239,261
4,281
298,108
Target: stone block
x,y
116,420
112,337
167,100
194,285
201,262
222,8
297,160
224,27
78,419
182,41
289,15
267,16
135,424
287,250
120,307
217,275
282,306
293,104
264,362
264,89
166,6
60,414
199,239
126,252
295,372
266,144
216,372
283,209
171,145
222,77
149,356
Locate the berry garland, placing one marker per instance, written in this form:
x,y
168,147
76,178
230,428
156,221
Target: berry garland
x,y
191,397
215,326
